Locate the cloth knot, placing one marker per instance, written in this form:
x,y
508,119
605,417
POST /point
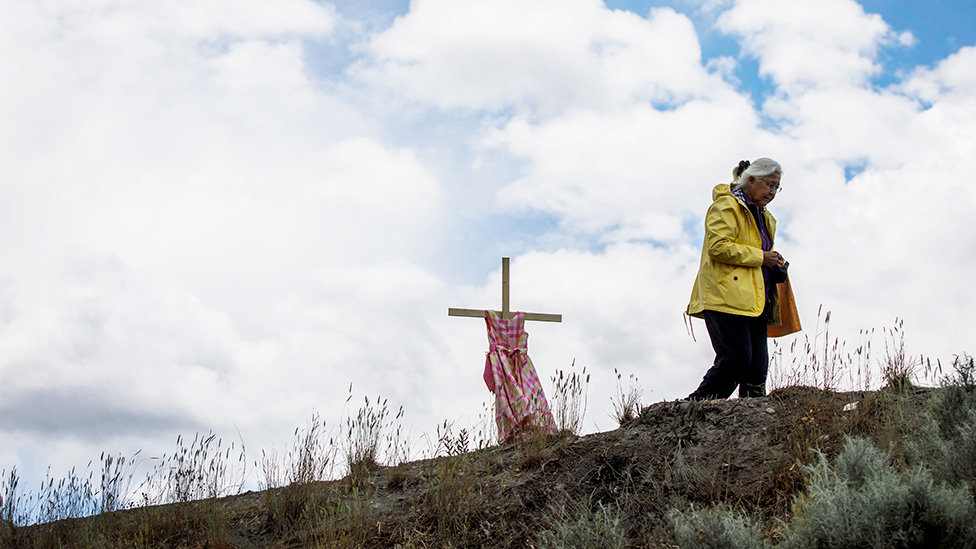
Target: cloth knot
x,y
501,348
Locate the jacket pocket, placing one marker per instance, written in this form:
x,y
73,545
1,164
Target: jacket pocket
x,y
736,288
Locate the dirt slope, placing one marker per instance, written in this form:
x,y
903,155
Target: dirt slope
x,y
743,452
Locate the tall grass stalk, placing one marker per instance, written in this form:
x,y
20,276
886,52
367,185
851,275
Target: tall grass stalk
x,y
487,431
818,362
71,497
202,469
626,402
15,507
900,371
116,482
449,439
362,435
398,449
452,485
569,399
288,487
75,495
826,364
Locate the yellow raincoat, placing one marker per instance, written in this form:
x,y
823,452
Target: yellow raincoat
x,y
730,276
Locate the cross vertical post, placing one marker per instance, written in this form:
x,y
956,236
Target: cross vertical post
x,y
506,303
506,312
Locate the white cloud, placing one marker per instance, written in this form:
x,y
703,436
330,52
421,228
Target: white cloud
x,y
93,328
810,44
639,172
952,79
108,21
546,54
854,126
194,156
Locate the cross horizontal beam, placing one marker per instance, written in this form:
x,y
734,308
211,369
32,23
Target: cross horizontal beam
x,y
480,313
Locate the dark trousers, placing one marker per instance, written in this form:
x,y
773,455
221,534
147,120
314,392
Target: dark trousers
x,y
741,356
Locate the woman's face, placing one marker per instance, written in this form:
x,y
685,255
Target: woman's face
x,y
762,190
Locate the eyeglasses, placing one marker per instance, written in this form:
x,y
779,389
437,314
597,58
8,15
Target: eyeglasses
x,y
775,187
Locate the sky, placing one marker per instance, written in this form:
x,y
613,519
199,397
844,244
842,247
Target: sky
x,y
220,215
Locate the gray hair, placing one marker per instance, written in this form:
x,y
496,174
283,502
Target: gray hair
x,y
760,167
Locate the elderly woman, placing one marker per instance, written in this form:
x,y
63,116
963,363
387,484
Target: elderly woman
x,y
734,291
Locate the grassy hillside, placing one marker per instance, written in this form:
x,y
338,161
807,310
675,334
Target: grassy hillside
x,y
802,467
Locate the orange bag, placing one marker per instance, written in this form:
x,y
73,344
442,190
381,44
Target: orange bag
x,y
789,318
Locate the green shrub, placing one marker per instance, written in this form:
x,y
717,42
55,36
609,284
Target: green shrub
x,y
580,527
717,527
952,405
863,501
946,441
951,459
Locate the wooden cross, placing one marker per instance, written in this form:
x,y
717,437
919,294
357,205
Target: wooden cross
x,y
506,313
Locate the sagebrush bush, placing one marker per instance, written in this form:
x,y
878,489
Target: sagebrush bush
x,y
576,526
946,441
950,458
718,527
864,501
950,407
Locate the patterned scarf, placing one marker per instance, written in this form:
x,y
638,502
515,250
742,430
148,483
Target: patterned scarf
x,y
745,199
767,243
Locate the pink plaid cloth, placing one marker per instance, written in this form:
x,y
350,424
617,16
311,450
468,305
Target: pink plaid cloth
x,y
520,403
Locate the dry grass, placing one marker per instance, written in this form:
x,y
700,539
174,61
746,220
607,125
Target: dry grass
x,y
568,402
626,402
289,488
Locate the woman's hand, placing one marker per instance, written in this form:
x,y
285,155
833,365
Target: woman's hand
x,y
773,259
